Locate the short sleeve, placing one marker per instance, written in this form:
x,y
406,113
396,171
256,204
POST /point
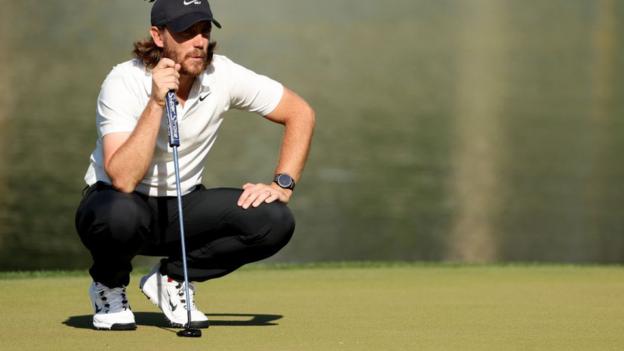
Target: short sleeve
x,y
116,105
253,92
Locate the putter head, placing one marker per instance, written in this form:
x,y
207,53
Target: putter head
x,y
190,333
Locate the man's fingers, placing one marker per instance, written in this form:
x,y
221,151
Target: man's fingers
x,y
171,83
243,197
167,74
271,198
248,196
166,62
261,198
253,195
256,194
165,77
267,196
256,197
249,200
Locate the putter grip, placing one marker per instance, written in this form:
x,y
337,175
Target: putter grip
x,y
172,119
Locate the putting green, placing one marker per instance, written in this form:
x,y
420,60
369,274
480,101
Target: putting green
x,y
341,307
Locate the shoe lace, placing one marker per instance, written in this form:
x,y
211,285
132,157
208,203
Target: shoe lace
x,y
181,292
113,299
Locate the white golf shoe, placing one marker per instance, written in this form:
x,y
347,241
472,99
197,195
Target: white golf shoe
x,y
112,311
169,296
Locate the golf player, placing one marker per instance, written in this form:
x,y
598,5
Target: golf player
x,y
129,207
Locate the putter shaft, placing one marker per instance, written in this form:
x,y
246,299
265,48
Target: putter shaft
x,y
174,142
182,237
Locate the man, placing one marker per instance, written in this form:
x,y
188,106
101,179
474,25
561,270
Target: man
x,y
129,207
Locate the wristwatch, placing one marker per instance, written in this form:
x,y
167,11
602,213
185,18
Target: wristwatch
x,y
284,181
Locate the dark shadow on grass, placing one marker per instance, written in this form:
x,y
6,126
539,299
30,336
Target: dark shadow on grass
x,y
82,322
157,319
243,319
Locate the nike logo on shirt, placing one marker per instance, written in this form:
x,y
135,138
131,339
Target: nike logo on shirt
x,y
191,2
202,98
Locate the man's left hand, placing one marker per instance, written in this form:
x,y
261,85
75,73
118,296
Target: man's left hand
x,y
256,194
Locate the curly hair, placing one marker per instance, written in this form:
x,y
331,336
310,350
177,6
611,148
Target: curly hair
x,y
149,53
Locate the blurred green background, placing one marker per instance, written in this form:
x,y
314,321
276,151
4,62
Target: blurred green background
x,y
447,130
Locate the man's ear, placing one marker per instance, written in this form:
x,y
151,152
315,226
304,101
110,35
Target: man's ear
x,y
157,36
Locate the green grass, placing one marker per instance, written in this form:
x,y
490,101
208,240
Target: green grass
x,y
341,307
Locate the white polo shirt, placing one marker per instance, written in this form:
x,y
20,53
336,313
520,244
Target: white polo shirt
x,y
224,85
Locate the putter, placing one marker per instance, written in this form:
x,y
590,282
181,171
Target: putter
x,y
174,142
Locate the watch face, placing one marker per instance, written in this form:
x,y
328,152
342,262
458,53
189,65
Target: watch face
x,y
284,180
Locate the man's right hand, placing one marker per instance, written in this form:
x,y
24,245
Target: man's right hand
x,y
165,77
127,156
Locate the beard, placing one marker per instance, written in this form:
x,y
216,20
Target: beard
x,y
188,67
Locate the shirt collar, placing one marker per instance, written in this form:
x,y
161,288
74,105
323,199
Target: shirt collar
x,y
206,79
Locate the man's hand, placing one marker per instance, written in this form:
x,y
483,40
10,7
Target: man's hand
x,y
165,77
256,194
127,156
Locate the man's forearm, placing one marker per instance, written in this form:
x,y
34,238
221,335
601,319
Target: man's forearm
x,y
298,119
295,147
129,163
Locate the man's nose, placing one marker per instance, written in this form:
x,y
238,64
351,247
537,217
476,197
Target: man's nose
x,y
199,40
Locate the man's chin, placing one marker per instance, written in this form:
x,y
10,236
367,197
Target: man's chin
x,y
193,70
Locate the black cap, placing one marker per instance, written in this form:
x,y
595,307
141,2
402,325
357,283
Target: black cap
x,y
179,15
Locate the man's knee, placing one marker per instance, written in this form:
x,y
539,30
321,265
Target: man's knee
x,y
113,216
282,221
277,229
127,220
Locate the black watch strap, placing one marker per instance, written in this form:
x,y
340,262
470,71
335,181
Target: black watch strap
x,y
284,181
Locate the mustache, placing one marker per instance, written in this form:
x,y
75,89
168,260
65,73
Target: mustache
x,y
196,53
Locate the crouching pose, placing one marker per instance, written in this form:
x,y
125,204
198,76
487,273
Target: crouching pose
x,y
129,207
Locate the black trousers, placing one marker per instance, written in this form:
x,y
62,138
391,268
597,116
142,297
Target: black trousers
x,y
220,235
